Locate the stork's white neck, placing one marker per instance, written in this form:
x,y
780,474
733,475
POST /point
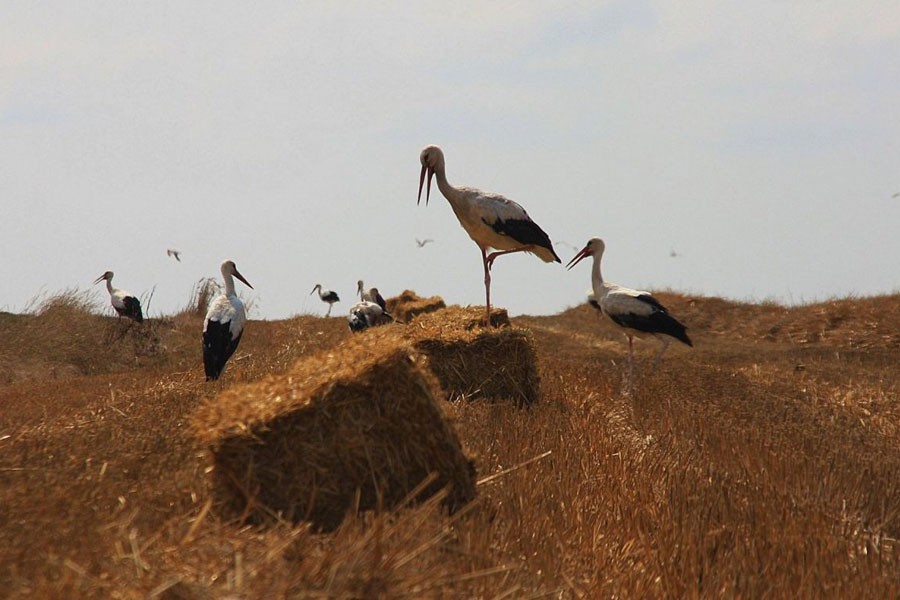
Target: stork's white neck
x,y
452,194
597,277
229,283
109,287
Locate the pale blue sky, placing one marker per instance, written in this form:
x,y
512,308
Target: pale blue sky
x,y
760,141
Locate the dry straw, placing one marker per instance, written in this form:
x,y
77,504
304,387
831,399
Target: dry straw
x,y
408,305
353,429
471,361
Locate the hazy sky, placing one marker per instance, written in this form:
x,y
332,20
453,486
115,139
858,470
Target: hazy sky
x,y
759,141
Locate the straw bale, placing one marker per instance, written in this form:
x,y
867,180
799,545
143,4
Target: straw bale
x,y
358,427
408,305
469,360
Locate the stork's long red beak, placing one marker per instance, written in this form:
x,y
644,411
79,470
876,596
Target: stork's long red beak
x,y
425,170
584,252
241,277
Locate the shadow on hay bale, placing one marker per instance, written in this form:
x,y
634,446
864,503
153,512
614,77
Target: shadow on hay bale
x,y
469,360
408,305
353,428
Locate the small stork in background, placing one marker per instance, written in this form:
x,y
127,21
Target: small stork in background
x,y
421,243
633,310
125,303
370,295
328,296
224,324
175,253
491,220
365,314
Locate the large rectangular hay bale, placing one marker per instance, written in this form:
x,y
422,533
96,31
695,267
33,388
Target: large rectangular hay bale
x,y
358,420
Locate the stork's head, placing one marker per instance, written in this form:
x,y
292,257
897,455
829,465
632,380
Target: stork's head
x,y
432,159
105,277
594,247
229,268
359,286
318,286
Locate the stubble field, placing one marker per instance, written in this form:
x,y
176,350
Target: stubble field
x,y
764,462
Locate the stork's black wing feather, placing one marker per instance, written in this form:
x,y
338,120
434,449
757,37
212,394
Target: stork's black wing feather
x,y
133,309
217,347
525,232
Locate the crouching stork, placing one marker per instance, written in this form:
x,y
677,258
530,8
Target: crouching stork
x,y
365,314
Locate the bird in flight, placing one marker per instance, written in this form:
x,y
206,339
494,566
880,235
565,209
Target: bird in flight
x,y
421,243
175,253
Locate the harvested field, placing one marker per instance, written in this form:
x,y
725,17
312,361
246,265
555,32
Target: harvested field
x,y
764,462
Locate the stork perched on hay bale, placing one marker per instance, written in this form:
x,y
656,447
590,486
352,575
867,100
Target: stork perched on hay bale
x,y
327,296
365,314
491,220
125,303
370,295
633,310
224,324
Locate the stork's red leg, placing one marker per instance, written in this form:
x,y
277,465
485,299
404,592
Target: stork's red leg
x,y
487,288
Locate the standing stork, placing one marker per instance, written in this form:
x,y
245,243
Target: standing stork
x,y
328,296
491,220
224,324
630,309
370,295
125,303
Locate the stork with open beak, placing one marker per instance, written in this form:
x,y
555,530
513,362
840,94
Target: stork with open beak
x,y
632,310
491,220
125,303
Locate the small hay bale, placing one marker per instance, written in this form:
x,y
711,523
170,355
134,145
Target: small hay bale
x,y
352,426
469,360
408,305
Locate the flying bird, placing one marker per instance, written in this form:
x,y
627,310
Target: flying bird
x,y
365,314
175,253
370,295
421,243
224,324
125,303
328,296
491,220
633,310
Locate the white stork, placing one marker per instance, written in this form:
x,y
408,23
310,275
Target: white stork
x,y
328,296
370,295
365,314
224,324
491,220
125,303
633,310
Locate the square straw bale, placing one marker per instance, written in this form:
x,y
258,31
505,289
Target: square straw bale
x,y
356,427
470,360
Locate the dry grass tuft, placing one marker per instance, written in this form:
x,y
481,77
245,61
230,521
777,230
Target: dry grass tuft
x,y
408,305
356,429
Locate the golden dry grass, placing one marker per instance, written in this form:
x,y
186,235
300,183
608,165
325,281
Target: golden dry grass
x,y
763,462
